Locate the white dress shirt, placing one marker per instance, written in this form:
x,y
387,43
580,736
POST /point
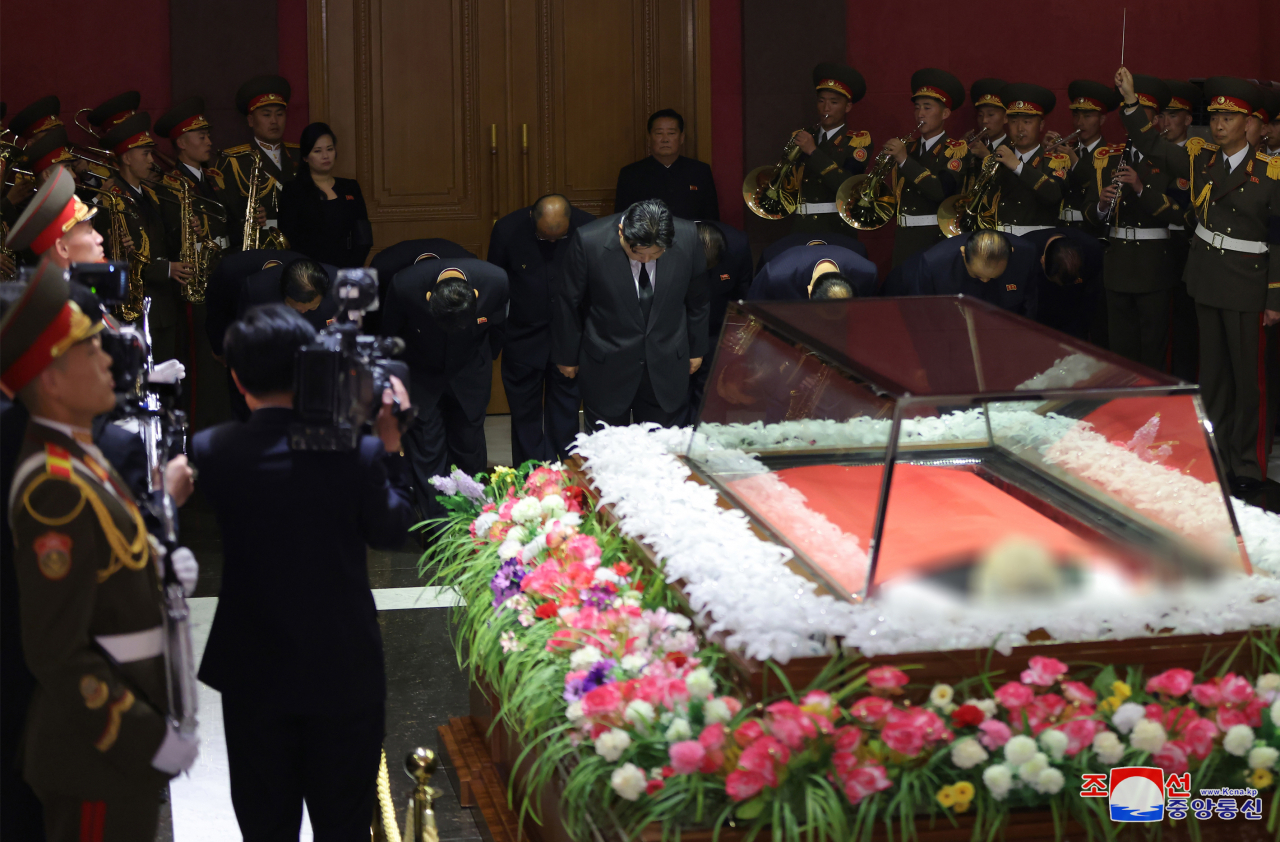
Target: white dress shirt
x,y
1024,158
1237,159
196,172
273,152
828,135
925,147
653,274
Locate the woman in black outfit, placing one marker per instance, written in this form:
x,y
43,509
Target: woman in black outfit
x,y
323,216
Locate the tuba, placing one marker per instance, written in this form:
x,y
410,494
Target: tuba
x,y
865,201
252,234
774,192
975,208
201,254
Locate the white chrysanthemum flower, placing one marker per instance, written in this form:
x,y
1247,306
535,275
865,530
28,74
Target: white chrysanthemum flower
x,y
1127,716
527,510
1275,713
941,695
678,621
633,662
518,535
574,713
1263,757
1108,747
716,711
612,743
639,713
553,506
1050,781
1148,736
1055,742
967,753
1239,740
1019,749
1030,771
999,780
699,683
509,549
483,523
585,658
678,730
628,781
1268,683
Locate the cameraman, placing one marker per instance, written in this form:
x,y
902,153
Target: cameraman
x,y
295,648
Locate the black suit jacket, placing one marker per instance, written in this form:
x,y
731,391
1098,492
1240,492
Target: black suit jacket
x,y
402,255
264,288
329,230
686,187
296,624
598,327
729,279
223,292
940,270
463,362
514,247
805,238
788,275
1068,308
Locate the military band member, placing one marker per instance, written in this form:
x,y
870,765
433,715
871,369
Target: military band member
x,y
1232,272
837,153
1260,119
1090,103
1128,197
1271,132
99,748
263,100
929,168
1184,346
103,119
44,157
36,119
992,130
187,129
1031,180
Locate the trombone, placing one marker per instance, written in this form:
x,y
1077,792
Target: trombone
x,y
92,132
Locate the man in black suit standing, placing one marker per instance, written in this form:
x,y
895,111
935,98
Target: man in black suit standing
x,y
529,245
451,315
631,316
683,184
295,647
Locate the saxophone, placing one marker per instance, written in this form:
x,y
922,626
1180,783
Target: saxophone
x,y
201,254
131,310
252,234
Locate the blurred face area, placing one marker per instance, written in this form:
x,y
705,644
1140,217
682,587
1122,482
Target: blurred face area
x,y
983,270
136,163
932,113
308,307
832,108
1024,131
1228,130
1174,124
993,119
78,384
322,156
267,123
642,254
1273,134
48,173
82,244
665,139
1088,123
195,147
553,225
1253,130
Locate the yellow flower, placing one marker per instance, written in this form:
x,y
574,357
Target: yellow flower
x,y
964,791
961,806
946,796
1261,778
1120,690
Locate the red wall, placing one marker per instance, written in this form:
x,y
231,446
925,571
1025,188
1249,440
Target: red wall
x,y
726,107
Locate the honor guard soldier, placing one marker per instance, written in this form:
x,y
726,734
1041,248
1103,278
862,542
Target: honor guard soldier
x,y
1128,197
36,119
837,153
992,130
1232,272
1184,347
817,272
930,168
58,225
99,744
130,142
187,129
1090,102
1031,180
101,120
263,100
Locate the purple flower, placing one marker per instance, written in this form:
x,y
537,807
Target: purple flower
x,y
573,687
598,675
597,597
466,486
446,486
506,582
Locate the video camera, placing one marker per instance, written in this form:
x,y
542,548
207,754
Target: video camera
x,y
340,375
126,344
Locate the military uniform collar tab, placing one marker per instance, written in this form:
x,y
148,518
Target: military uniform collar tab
x,y
268,146
80,435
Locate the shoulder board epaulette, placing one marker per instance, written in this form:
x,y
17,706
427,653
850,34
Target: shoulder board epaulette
x,y
173,180
115,189
858,138
956,148
1105,152
1058,160
57,461
1273,164
1195,145
151,193
213,171
291,145
232,151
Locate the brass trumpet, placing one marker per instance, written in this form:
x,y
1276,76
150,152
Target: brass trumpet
x,y
865,201
973,136
773,192
1072,138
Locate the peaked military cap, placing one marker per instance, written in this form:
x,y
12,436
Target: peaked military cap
x,y
1183,96
110,113
48,149
987,92
841,79
186,116
1230,94
1268,105
1151,90
41,326
52,212
1026,98
39,116
940,85
130,133
1088,95
262,90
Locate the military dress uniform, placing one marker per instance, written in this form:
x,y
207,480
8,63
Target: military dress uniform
x,y
934,170
103,119
1232,272
840,153
1184,333
37,118
1030,195
279,163
90,605
1085,95
984,92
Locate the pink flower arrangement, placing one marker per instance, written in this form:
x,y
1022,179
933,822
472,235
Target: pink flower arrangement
x,y
994,734
886,680
1174,683
1015,696
1044,672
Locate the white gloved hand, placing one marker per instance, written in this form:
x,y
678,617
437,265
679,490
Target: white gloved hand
x,y
169,371
177,753
186,568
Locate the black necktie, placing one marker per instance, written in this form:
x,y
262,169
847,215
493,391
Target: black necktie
x,y
646,292
1226,162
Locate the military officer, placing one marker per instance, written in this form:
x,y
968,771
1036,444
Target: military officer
x,y
837,153
992,130
929,168
99,746
808,271
1184,345
1031,180
263,100
153,244
1232,272
1090,103
1128,197
36,119
58,225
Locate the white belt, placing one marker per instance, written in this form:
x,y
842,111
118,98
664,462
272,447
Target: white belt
x,y
1021,230
1177,228
138,646
1222,241
819,207
1071,215
1129,233
224,243
917,220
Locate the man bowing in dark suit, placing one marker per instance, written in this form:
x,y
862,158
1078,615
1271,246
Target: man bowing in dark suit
x,y
631,315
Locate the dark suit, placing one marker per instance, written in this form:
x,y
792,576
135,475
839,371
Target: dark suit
x,y
329,230
222,296
626,365
295,647
940,270
402,255
686,187
787,276
1068,308
800,238
727,281
450,375
544,403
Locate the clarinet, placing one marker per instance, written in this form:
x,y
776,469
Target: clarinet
x,y
1116,183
